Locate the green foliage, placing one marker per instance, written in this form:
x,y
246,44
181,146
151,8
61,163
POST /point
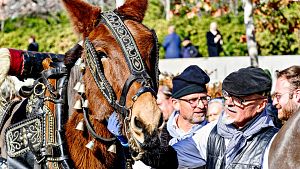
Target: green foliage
x,y
155,10
231,27
277,30
278,24
53,33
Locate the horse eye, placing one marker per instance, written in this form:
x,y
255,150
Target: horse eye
x,y
138,123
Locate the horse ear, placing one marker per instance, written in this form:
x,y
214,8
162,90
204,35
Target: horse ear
x,y
82,14
134,9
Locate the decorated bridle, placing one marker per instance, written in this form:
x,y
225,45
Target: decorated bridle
x,y
42,132
138,72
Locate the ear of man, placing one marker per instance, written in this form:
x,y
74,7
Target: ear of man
x,y
175,103
262,105
297,95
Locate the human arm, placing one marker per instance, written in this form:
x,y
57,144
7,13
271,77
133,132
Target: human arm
x,y
265,160
183,154
5,63
218,38
187,153
166,42
114,126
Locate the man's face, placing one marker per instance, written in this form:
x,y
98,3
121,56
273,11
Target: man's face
x,y
284,99
240,112
213,111
192,107
165,104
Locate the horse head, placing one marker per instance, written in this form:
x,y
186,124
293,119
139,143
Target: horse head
x,y
121,73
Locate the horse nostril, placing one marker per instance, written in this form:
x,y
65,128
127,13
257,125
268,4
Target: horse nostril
x,y
138,123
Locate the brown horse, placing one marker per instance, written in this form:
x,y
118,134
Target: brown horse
x,y
285,148
111,81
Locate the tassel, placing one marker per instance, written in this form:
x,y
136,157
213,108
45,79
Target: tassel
x,y
112,148
77,105
80,126
76,87
85,104
81,88
90,145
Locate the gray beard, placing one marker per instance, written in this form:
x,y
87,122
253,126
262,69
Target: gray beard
x,y
226,119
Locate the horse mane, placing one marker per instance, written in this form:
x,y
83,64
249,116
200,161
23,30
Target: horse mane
x,y
72,94
284,151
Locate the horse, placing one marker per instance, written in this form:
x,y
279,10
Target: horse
x,y
285,147
115,69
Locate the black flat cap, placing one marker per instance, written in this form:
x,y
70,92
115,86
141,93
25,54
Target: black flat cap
x,y
192,80
247,81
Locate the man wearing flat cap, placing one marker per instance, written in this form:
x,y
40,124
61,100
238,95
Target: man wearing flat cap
x,y
238,139
189,98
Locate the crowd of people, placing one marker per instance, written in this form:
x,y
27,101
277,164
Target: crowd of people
x,y
174,48
232,131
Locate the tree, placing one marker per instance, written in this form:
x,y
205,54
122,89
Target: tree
x,y
250,32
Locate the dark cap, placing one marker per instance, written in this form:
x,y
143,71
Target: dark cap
x,y
192,80
247,81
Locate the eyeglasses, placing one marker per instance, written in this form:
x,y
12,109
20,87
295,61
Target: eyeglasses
x,y
278,95
196,101
238,100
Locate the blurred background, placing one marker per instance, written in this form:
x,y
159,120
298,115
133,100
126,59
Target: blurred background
x,y
277,24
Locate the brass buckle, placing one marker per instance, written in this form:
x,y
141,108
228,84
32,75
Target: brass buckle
x,y
39,89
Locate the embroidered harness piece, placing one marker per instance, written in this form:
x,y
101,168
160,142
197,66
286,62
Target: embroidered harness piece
x,y
39,130
19,136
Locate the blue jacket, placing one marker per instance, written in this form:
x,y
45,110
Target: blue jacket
x,y
171,45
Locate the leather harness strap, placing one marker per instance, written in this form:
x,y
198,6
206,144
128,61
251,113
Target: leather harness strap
x,y
43,129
